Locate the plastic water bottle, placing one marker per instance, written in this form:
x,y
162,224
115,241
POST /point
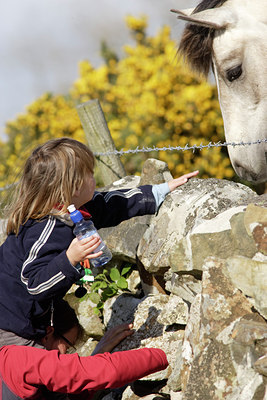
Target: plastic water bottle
x,y
85,228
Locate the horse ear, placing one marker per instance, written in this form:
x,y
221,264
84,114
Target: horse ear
x,y
216,18
185,12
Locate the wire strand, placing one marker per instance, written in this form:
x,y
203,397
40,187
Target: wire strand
x,y
178,148
169,148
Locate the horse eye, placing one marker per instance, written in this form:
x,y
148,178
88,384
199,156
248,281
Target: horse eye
x,y
234,73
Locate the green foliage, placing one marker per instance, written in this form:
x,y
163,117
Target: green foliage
x,y
107,284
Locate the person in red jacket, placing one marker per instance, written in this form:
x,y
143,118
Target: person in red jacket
x,y
29,372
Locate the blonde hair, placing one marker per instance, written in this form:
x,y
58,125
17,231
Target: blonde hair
x,y
51,175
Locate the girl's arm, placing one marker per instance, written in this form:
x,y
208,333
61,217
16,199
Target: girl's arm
x,y
111,208
161,190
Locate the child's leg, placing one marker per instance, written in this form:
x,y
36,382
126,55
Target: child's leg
x,y
8,338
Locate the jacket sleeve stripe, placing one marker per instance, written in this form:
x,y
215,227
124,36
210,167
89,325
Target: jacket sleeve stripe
x,y
126,195
48,284
40,242
38,245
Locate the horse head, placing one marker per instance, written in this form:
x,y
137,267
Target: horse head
x,y
231,37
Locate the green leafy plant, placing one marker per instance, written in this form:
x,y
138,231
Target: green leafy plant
x,y
108,284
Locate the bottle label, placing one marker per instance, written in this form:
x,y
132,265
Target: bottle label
x,y
106,255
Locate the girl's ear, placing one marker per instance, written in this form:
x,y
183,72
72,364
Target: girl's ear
x,y
77,192
49,331
48,338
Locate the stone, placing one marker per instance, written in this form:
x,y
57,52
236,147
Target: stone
x,y
154,172
123,239
184,286
226,365
222,236
192,344
146,325
175,312
250,329
261,365
86,347
127,182
183,211
176,395
256,225
151,283
134,282
90,322
174,381
250,276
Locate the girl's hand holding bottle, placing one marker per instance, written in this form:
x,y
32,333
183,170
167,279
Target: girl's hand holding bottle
x,y
79,250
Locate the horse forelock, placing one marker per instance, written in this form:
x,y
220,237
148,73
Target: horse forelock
x,y
196,41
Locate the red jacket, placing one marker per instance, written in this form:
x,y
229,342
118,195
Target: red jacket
x,y
25,371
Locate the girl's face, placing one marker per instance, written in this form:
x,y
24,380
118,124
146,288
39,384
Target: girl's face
x,y
86,191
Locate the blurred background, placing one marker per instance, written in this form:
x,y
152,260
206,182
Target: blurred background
x,y
56,54
43,41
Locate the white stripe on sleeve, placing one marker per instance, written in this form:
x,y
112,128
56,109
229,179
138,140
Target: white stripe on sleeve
x,y
40,242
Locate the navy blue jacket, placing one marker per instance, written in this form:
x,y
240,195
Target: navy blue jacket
x,y
34,267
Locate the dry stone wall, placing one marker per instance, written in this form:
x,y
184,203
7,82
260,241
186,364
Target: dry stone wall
x,y
198,291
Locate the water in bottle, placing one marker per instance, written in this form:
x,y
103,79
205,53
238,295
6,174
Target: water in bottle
x,y
85,228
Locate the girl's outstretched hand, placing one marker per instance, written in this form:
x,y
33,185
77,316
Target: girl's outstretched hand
x,y
174,183
112,338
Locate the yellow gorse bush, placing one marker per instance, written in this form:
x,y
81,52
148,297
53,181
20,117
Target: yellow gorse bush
x,y
149,98
48,117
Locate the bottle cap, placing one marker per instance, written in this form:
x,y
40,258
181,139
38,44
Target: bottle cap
x,y
75,215
71,208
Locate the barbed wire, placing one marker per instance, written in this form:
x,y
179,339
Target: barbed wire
x,y
178,148
168,148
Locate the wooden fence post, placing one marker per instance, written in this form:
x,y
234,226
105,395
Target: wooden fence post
x,y
100,141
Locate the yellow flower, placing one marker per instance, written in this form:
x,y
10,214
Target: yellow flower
x,y
136,24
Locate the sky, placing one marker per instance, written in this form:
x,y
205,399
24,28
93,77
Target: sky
x,y
42,42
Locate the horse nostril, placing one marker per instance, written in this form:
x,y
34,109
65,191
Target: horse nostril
x,y
246,174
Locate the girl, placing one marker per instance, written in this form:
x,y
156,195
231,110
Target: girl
x,y
40,259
